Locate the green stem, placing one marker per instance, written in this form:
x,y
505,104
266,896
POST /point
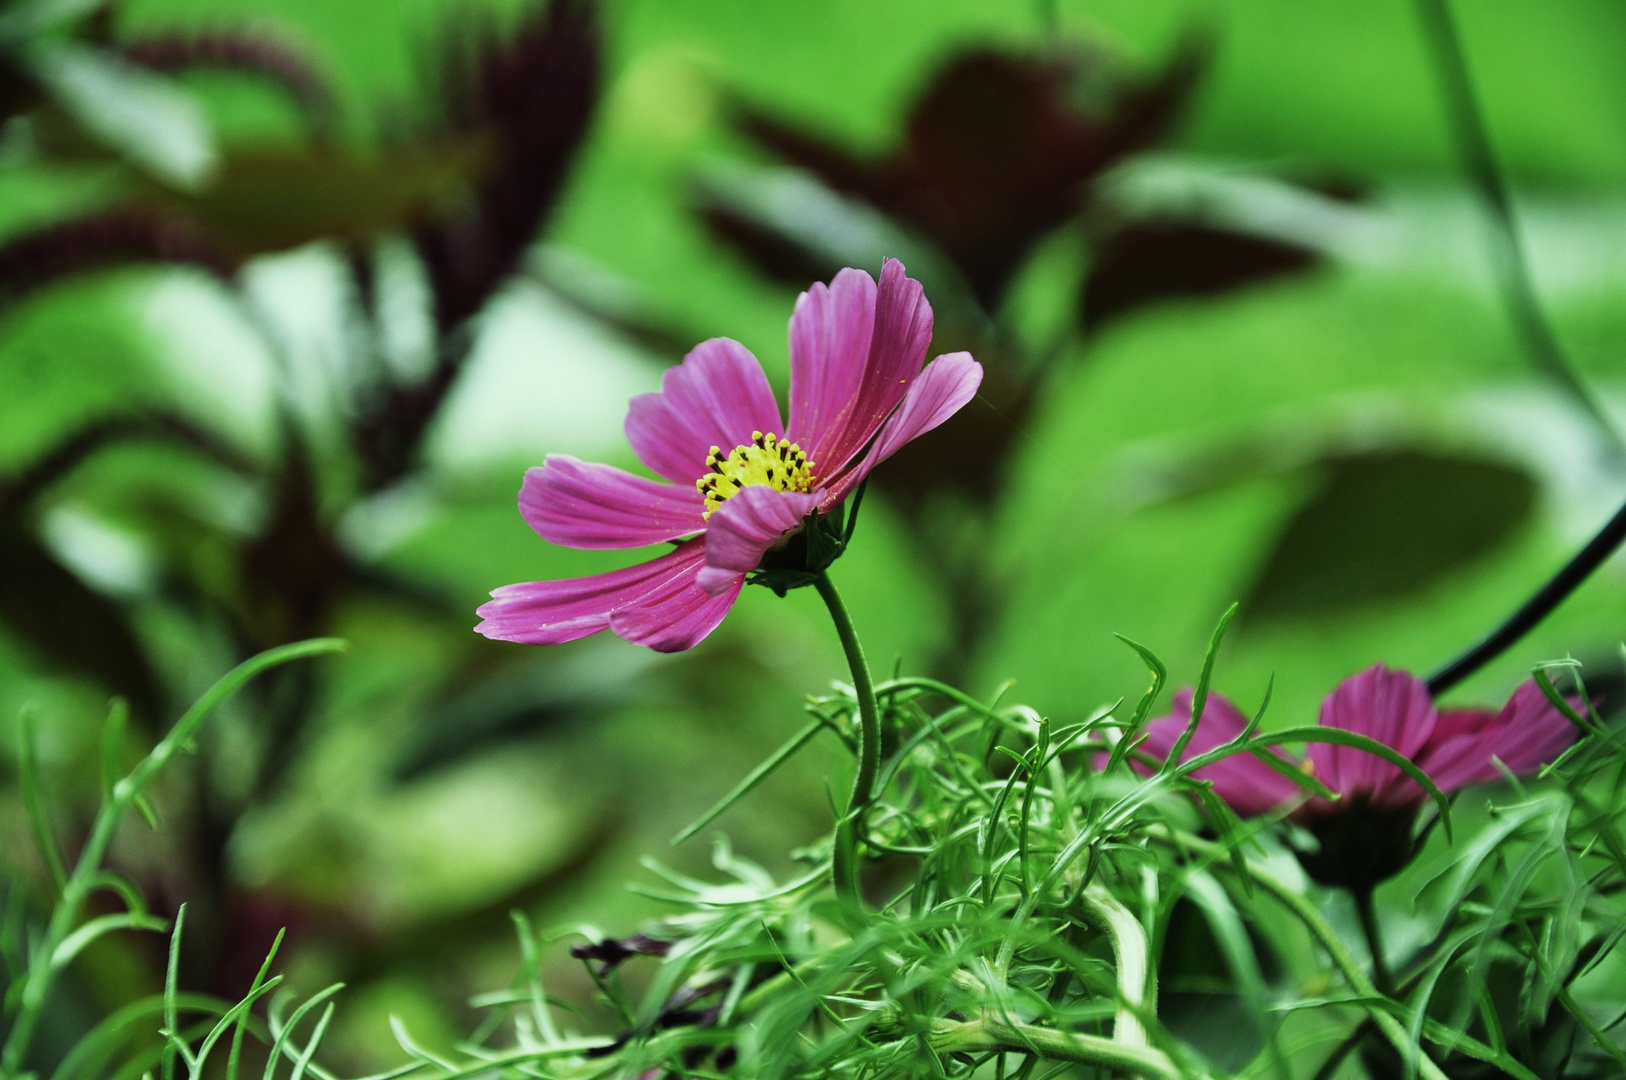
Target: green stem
x,y
1511,264
994,1034
844,861
1381,977
1137,983
1308,914
85,879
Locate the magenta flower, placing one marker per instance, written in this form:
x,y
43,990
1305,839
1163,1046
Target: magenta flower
x,y
1368,834
1454,747
742,481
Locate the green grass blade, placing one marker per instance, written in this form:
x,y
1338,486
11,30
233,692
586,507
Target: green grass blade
x,y
75,942
1318,733
309,1052
234,1057
180,736
281,1033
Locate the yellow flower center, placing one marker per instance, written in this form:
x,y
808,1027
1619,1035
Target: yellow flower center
x,y
763,461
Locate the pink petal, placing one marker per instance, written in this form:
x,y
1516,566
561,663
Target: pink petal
x,y
943,389
1455,723
1392,707
551,612
1458,755
830,333
743,528
717,397
717,581
583,505
1528,733
854,348
676,616
1248,785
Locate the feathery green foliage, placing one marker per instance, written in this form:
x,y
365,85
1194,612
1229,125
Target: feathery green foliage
x,y
1029,904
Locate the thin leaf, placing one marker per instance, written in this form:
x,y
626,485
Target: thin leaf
x,y
34,799
1258,717
1160,675
1228,825
1318,733
93,1050
74,943
752,779
315,1040
281,1032
235,1056
1199,696
235,1017
180,736
171,976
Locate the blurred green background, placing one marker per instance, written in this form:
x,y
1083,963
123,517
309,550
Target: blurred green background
x,y
1331,419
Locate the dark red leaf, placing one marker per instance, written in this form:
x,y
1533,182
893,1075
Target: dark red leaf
x,y
242,49
1151,261
530,96
996,152
35,259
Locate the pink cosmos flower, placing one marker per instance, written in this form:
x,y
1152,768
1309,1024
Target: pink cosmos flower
x,y
1454,747
742,481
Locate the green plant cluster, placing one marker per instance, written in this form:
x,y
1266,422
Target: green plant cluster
x,y
1032,906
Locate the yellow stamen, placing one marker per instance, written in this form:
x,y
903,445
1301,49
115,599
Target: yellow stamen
x,y
763,461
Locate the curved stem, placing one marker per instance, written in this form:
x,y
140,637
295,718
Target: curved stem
x,y
844,861
1137,983
1014,1036
1381,977
1511,264
1537,608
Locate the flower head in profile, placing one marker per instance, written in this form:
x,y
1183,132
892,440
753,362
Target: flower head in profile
x,y
1366,834
741,480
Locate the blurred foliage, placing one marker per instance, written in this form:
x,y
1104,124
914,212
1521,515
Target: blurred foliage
x,y
291,291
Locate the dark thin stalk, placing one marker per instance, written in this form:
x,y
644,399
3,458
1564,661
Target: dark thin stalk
x,y
1537,608
844,861
1511,265
1381,976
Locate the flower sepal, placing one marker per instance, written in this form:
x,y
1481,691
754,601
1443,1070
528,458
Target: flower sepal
x,y
809,551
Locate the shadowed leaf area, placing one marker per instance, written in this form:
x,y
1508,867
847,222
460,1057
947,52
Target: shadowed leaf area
x,y
1385,525
266,201
1198,1000
70,626
1161,260
993,153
